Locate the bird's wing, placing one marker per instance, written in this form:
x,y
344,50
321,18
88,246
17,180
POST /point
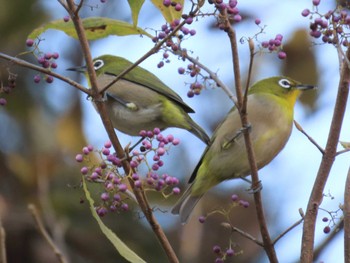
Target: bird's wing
x,y
154,83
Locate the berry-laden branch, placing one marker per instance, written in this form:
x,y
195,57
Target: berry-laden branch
x,y
46,71
242,108
326,164
157,47
101,107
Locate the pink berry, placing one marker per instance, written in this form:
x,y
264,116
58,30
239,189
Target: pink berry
x,y
29,42
66,18
282,55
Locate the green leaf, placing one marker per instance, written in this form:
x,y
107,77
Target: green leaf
x,y
135,6
95,28
169,13
122,248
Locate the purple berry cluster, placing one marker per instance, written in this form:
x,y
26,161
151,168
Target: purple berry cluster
x,y
173,4
275,45
222,255
332,27
46,60
193,71
230,7
173,44
6,89
114,196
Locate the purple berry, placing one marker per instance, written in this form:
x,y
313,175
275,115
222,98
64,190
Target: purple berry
x,y
257,21
326,229
216,249
201,219
124,207
3,101
178,7
29,42
122,187
49,79
234,197
176,190
189,20
192,32
305,12
167,3
282,55
325,219
84,170
237,18
181,70
316,2
66,18
230,252
79,158
104,196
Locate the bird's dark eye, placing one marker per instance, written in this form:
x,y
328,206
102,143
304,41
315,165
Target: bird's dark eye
x,y
98,64
284,83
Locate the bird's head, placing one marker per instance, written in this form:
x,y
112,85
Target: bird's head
x,y
281,87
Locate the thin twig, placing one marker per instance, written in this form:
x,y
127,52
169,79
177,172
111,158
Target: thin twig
x,y
298,126
248,236
39,223
23,63
287,230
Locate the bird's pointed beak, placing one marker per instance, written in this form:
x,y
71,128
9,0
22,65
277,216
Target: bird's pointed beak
x,y
81,69
305,87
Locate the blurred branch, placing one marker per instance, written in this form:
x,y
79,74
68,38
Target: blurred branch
x,y
298,126
326,163
3,258
44,233
23,63
242,108
246,235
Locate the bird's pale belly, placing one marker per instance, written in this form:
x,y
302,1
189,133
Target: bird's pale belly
x,y
133,121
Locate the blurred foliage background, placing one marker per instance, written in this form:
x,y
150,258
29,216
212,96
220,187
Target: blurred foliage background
x,y
42,129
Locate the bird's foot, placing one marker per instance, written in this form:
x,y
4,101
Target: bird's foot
x,y
253,188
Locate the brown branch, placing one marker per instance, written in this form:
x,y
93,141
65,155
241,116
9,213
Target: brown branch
x,y
298,126
326,164
268,244
44,233
23,63
346,211
101,107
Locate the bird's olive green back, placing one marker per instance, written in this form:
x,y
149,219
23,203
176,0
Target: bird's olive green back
x,y
115,65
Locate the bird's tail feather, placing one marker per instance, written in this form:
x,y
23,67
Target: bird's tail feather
x,y
185,205
199,132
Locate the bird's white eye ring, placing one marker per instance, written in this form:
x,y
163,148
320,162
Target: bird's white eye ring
x,y
98,64
284,83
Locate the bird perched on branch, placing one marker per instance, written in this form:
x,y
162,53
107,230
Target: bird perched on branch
x,y
270,108
140,100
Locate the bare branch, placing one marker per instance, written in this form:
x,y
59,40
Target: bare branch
x,y
287,230
298,126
